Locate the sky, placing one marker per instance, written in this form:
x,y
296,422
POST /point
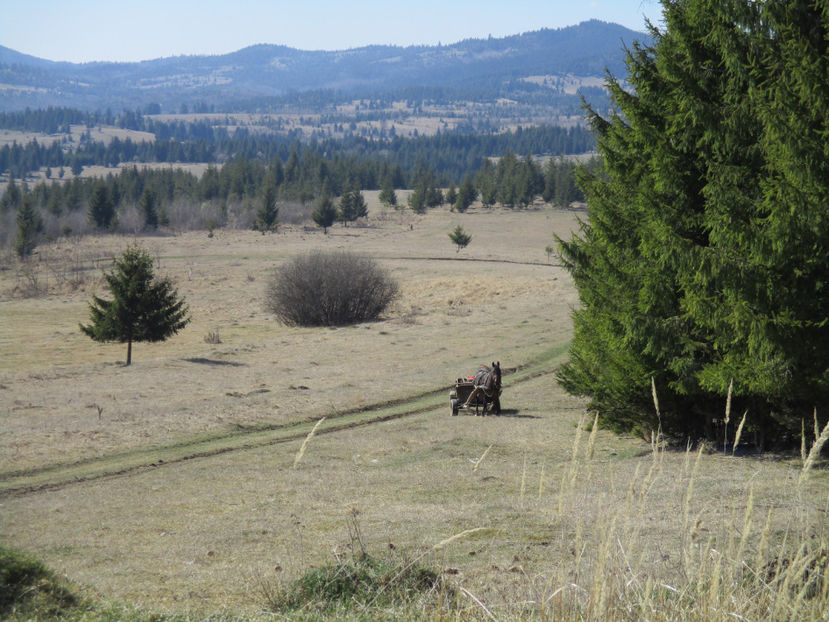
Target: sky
x,y
135,30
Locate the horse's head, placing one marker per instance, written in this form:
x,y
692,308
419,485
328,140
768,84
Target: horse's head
x,y
496,374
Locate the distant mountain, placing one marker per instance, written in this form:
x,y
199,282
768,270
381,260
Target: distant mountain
x,y
262,71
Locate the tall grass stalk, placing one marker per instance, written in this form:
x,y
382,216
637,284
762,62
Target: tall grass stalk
x,y
727,415
591,440
656,402
458,536
541,482
307,440
481,459
738,568
739,432
524,478
814,452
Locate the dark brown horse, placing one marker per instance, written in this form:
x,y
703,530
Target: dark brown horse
x,y
487,382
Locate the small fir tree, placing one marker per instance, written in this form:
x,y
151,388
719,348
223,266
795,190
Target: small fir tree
x,y
352,205
267,218
142,308
387,195
466,195
417,199
434,197
101,210
29,225
451,195
147,205
325,212
11,198
460,238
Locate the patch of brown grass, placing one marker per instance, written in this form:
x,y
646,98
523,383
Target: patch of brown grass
x,y
603,527
186,387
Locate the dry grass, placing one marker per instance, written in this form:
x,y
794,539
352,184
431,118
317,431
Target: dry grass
x,y
532,523
446,322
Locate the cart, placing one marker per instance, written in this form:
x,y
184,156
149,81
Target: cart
x,y
460,392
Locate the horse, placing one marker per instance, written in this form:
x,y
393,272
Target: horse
x,y
487,381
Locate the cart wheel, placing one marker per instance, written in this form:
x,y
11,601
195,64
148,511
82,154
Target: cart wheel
x,y
454,403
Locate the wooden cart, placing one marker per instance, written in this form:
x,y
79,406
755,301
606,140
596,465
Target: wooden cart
x,y
461,391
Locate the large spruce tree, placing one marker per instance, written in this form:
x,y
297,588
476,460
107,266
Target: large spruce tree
x,y
705,259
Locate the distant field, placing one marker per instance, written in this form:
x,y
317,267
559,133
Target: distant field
x,y
180,493
101,134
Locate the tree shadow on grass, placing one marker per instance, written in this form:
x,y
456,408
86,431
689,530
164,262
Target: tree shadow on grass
x,y
203,361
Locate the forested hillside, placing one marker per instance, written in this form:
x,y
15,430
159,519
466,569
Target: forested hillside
x,y
532,66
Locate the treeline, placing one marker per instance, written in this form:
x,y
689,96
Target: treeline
x,y
232,195
486,90
51,120
450,155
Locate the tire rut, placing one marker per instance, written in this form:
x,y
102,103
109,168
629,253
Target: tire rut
x,y
60,476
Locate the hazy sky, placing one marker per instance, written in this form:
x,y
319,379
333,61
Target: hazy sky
x,y
132,30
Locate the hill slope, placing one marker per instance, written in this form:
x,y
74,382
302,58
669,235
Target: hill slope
x,y
485,66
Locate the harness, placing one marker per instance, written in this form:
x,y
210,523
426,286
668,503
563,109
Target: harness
x,y
485,381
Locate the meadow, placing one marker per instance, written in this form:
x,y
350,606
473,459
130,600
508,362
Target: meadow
x,y
188,482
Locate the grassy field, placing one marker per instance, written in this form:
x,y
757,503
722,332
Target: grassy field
x,y
176,484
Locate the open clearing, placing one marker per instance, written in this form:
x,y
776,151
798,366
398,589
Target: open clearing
x,y
152,519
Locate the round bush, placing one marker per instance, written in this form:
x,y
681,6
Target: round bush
x,y
329,289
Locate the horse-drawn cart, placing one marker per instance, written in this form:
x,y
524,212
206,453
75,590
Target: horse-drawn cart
x,y
481,391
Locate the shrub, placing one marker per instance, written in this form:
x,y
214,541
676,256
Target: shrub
x,y
29,590
329,289
360,583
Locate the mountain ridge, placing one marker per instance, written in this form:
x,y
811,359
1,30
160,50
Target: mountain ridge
x,y
272,70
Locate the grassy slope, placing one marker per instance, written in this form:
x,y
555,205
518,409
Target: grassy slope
x,y
563,524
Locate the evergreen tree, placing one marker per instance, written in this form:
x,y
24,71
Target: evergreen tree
x,y
325,213
114,193
704,261
487,184
506,179
11,198
142,308
352,205
267,218
434,197
388,197
147,205
550,170
29,225
359,208
451,195
466,195
101,209
417,199
460,238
